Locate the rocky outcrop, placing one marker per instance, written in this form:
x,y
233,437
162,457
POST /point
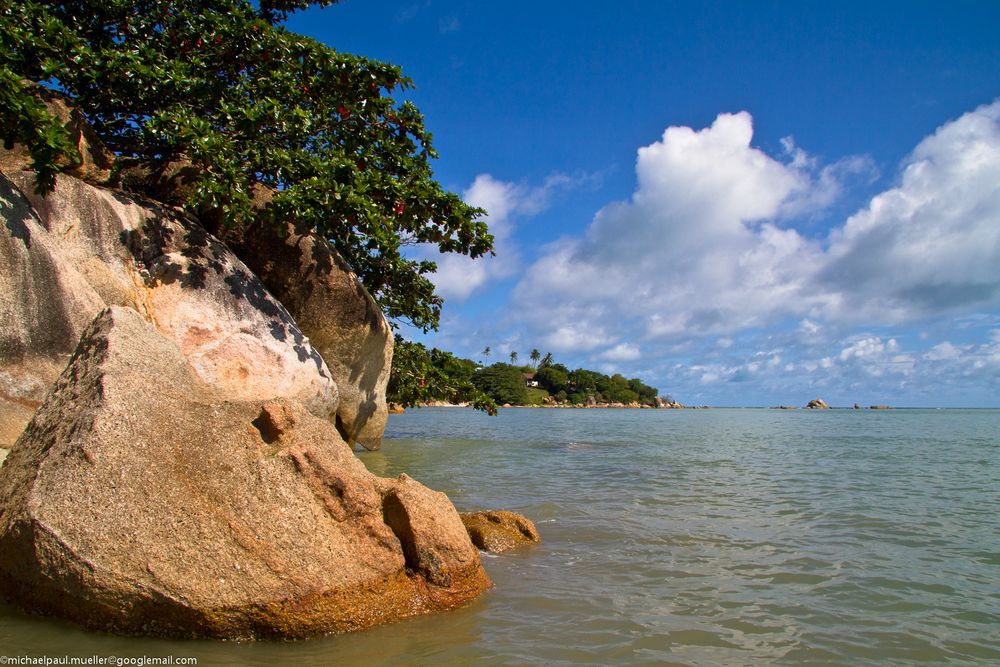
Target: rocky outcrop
x,y
319,289
142,499
817,404
95,160
499,530
65,257
662,402
341,319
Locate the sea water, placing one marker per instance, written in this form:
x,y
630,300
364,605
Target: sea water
x,y
687,537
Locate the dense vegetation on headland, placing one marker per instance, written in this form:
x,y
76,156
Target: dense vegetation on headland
x,y
222,86
440,375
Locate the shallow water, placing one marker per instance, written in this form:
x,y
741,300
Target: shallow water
x,y
715,537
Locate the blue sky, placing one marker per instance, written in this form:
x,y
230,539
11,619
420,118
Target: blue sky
x,y
742,203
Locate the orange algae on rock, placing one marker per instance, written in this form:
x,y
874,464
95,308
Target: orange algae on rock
x,y
499,530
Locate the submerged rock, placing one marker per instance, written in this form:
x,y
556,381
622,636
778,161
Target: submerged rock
x,y
141,499
499,530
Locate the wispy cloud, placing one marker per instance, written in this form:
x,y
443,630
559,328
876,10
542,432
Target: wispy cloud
x,y
505,203
410,12
449,24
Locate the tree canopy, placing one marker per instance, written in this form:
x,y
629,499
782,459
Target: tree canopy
x,y
420,375
221,83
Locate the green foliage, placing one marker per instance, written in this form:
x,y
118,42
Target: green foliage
x,y
419,376
33,45
221,83
503,383
441,375
536,396
552,379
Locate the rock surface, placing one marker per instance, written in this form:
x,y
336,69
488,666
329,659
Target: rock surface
x,y
319,289
95,160
499,530
341,319
66,257
141,499
817,404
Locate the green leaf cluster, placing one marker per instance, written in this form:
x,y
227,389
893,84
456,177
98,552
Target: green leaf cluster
x,y
420,375
503,383
223,84
579,385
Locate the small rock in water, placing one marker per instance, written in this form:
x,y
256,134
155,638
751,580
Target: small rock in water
x,y
499,530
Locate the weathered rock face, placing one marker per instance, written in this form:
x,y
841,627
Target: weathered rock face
x,y
499,530
343,322
95,162
66,257
140,499
315,284
818,404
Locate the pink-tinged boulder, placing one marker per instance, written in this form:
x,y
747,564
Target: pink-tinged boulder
x,y
343,322
65,257
141,499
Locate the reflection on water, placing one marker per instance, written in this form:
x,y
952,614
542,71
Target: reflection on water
x,y
684,537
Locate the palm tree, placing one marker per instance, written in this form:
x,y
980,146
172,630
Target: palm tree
x,y
486,353
535,356
513,357
546,360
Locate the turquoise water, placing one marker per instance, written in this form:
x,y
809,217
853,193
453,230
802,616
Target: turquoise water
x,y
714,537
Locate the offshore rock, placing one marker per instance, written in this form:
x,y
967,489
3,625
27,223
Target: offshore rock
x,y
66,257
817,404
499,530
141,499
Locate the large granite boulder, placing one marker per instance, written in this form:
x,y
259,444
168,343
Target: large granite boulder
x,y
341,319
142,499
817,404
316,285
65,257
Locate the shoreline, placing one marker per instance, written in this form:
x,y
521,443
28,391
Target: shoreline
x,y
844,408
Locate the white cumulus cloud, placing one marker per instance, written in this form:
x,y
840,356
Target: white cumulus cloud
x,y
930,245
695,250
704,245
